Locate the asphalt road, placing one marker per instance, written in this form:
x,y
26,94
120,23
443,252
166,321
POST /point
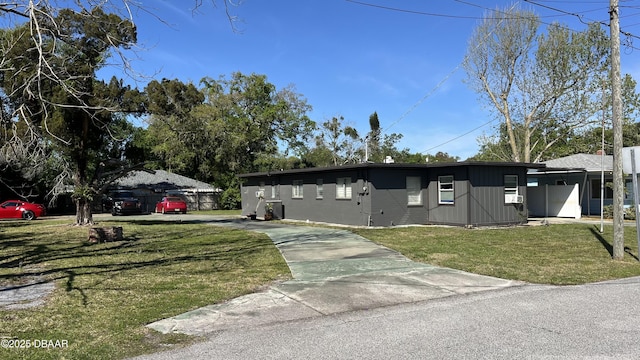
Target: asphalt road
x,y
593,321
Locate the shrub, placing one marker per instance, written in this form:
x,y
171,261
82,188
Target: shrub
x,y
607,212
230,199
629,213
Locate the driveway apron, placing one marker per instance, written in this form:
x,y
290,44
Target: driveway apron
x,y
334,271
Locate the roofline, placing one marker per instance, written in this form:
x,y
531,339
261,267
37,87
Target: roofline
x,y
557,170
394,166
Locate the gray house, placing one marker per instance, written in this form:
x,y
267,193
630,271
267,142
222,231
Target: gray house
x,y
463,194
151,186
571,186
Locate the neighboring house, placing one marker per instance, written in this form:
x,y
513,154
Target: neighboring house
x,y
151,186
463,194
571,186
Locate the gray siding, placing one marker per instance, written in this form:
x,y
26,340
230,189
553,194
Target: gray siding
x,y
353,211
487,197
379,195
389,198
451,214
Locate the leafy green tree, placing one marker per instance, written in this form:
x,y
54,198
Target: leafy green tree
x,y
372,140
177,139
540,85
227,127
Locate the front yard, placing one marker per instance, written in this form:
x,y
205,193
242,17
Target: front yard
x,y
560,254
106,293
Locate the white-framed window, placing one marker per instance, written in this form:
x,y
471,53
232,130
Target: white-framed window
x,y
296,189
414,190
274,189
445,189
343,188
319,189
511,184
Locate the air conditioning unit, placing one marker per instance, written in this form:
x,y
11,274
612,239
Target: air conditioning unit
x,y
513,199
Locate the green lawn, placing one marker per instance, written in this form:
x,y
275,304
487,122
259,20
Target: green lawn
x,y
555,254
106,293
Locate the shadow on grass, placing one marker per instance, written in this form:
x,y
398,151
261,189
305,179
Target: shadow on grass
x,y
38,261
596,233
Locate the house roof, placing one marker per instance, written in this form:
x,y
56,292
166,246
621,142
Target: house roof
x,y
162,179
395,166
588,162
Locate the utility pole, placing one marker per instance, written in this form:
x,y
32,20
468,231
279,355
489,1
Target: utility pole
x,y
616,93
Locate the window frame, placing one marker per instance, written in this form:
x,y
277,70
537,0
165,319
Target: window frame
x,y
511,190
344,188
274,190
446,190
413,185
319,189
297,189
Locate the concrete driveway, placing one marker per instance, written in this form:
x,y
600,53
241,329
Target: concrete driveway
x,y
334,271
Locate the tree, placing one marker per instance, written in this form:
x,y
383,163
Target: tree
x,y
372,140
226,127
339,140
540,86
53,92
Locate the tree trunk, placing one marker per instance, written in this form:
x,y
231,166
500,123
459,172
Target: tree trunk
x,y
84,216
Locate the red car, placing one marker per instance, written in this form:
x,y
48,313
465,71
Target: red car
x,y
171,204
18,209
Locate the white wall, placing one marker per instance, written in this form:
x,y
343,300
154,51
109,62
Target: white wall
x,y
554,201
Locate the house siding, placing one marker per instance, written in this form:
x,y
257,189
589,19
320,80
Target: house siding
x,y
389,198
487,198
352,211
379,195
449,214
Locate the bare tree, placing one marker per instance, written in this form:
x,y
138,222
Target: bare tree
x,y
542,87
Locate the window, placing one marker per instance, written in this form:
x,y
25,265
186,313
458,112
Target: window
x,y
595,189
274,190
296,189
343,188
445,189
414,190
511,184
319,189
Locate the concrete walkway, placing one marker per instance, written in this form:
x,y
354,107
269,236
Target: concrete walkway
x,y
334,271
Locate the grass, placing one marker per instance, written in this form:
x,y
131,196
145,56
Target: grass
x,y
556,254
106,293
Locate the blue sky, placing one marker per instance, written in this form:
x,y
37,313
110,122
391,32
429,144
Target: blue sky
x,y
350,59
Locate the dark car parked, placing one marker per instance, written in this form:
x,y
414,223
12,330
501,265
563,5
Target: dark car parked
x,y
122,203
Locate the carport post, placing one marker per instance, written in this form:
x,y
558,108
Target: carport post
x,y
636,196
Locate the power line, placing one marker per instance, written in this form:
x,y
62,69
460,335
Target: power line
x,y
412,11
501,18
458,137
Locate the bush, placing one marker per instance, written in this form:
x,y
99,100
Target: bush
x,y
629,213
607,212
230,199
